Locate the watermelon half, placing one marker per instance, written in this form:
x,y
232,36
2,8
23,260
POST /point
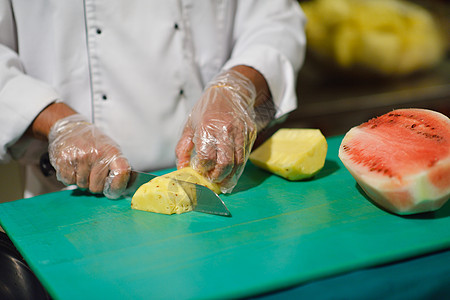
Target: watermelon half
x,y
401,159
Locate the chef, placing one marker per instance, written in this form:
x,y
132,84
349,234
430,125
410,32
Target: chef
x,y
106,86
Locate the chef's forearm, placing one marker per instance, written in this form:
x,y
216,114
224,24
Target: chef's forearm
x,y
258,80
42,124
264,106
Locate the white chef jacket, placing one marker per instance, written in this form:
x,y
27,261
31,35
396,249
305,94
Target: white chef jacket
x,y
136,68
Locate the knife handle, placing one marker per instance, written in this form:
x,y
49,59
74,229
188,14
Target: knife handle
x,y
45,165
48,170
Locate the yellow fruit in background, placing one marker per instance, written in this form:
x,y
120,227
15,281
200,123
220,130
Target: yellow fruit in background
x,y
379,50
387,37
166,195
333,11
294,154
318,36
379,15
346,40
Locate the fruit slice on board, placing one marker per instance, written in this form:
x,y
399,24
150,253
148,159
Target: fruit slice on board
x,y
401,159
165,195
294,154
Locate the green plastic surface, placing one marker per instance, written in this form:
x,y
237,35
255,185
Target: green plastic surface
x,y
281,234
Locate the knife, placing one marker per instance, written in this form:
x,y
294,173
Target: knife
x,y
206,201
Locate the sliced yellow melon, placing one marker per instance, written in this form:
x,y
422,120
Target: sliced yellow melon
x,y
167,195
294,154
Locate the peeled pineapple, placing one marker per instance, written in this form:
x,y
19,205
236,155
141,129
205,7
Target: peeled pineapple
x,y
167,195
294,154
387,37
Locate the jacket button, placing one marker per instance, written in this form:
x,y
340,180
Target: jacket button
x,y
104,97
176,26
99,31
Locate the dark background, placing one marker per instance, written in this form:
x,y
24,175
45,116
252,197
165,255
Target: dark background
x,y
335,101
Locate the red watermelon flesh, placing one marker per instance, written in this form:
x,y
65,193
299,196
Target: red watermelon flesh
x,y
401,159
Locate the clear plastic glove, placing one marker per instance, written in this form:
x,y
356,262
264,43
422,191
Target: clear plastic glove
x,y
83,155
220,131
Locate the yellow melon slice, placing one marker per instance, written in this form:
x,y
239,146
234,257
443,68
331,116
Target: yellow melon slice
x,y
167,195
294,154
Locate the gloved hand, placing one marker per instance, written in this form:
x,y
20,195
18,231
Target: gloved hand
x,y
220,131
83,155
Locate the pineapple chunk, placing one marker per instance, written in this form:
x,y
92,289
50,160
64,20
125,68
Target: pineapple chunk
x,y
294,154
167,195
388,37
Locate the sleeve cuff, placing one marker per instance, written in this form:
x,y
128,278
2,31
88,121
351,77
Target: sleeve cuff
x,y
22,98
278,72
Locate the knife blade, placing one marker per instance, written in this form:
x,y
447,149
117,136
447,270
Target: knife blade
x,y
206,201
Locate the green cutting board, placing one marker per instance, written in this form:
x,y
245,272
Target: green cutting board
x,y
281,234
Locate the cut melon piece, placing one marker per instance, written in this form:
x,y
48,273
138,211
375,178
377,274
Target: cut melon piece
x,y
294,154
166,195
401,159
